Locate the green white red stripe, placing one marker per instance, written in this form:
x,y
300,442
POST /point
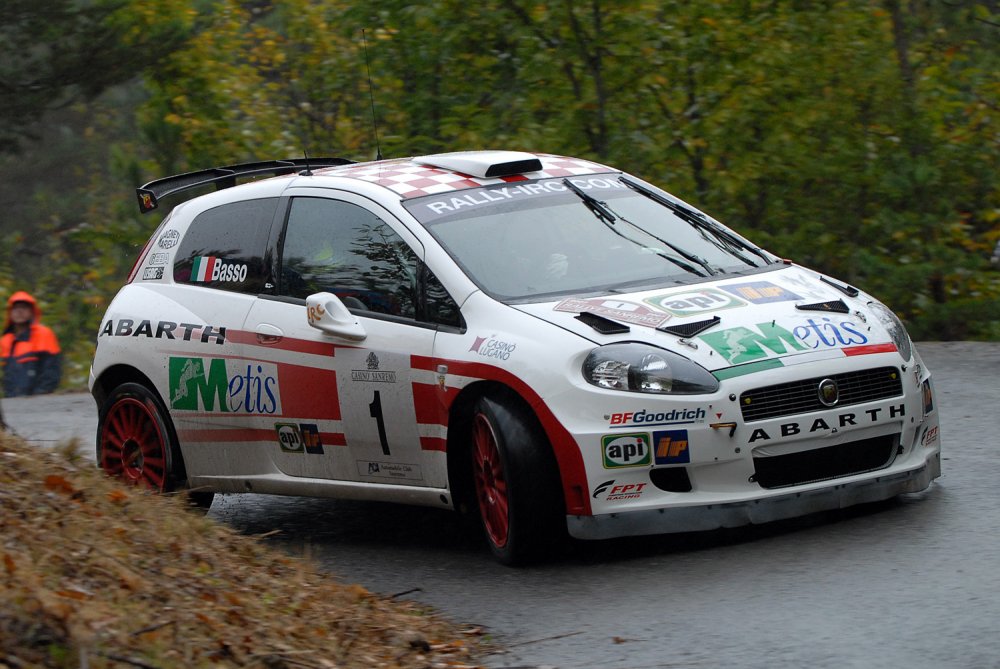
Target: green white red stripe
x,y
202,268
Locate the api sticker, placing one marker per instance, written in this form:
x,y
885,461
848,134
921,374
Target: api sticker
x,y
299,438
626,450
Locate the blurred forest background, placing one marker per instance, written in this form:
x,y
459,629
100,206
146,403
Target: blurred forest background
x,y
858,137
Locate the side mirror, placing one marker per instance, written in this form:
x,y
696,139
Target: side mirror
x,y
326,312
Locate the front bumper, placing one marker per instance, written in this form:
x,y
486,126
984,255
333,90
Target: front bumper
x,y
836,495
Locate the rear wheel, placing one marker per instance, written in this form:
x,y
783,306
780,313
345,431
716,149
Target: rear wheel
x,y
516,482
136,443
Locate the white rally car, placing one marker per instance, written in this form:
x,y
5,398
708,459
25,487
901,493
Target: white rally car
x,y
552,341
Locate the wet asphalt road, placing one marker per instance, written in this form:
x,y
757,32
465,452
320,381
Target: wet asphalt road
x,y
912,583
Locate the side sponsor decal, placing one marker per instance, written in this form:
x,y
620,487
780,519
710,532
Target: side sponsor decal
x,y
491,347
761,292
694,302
126,327
829,424
930,437
169,239
373,374
626,312
610,492
299,438
671,447
212,268
625,450
654,418
152,273
739,345
224,385
157,259
390,470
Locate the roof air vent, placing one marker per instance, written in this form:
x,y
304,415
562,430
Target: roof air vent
x,y
484,164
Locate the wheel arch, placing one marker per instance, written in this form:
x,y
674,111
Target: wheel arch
x,y
115,376
564,448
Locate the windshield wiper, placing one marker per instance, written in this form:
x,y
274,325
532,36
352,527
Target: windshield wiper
x,y
605,215
599,208
690,216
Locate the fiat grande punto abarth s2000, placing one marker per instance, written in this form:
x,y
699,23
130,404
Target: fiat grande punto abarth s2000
x,y
547,340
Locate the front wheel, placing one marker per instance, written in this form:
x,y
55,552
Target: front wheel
x,y
516,481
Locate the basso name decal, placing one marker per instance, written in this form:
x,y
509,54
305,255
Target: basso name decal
x,y
223,385
211,268
126,327
822,425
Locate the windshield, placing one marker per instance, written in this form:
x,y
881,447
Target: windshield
x,y
550,238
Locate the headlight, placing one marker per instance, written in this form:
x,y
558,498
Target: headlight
x,y
640,368
895,327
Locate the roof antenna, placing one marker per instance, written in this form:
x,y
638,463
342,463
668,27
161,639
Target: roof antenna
x,y
307,172
371,94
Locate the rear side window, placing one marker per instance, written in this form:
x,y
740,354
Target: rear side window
x,y
224,247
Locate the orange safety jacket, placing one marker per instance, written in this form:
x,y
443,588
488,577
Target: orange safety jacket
x,y
30,360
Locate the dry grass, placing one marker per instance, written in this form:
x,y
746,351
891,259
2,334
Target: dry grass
x,y
94,574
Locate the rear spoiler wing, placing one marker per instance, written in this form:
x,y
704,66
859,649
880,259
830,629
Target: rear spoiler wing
x,y
225,177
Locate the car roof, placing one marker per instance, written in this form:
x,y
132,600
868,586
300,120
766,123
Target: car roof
x,y
406,177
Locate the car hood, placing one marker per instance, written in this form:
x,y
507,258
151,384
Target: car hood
x,y
761,319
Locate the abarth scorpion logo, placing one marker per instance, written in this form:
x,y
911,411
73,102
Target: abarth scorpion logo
x,y
828,392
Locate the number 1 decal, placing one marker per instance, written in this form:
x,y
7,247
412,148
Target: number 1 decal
x,y
375,410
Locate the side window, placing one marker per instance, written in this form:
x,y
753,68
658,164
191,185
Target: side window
x,y
441,308
341,248
224,247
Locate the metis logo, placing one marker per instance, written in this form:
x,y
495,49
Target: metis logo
x,y
235,386
211,268
625,450
610,492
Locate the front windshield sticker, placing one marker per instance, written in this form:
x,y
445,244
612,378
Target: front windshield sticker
x,y
626,312
761,292
432,208
694,302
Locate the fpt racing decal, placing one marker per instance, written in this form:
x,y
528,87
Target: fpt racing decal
x,y
610,492
224,385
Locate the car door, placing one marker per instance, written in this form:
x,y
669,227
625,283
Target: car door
x,y
347,405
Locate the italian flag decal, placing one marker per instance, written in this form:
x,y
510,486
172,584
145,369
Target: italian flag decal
x,y
202,268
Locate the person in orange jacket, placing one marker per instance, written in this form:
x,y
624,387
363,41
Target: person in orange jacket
x,y
29,351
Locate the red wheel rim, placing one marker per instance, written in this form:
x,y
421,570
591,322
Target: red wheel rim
x,y
132,446
491,486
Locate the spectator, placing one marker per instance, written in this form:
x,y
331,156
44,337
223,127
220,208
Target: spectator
x,y
29,351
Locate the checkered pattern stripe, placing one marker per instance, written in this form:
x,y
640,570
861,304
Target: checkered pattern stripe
x,y
410,179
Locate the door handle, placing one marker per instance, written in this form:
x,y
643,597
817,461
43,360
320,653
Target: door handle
x,y
268,334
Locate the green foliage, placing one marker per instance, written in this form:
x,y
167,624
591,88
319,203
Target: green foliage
x,y
857,138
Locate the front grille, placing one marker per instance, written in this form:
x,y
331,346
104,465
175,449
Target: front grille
x,y
795,397
821,464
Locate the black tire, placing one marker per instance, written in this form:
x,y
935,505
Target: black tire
x,y
136,443
516,482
